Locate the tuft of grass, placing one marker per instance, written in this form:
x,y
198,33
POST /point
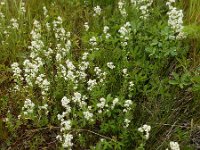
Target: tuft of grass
x,y
192,11
192,28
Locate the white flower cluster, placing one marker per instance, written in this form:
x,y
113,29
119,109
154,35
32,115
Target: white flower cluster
x,y
83,66
2,16
14,23
79,99
115,101
127,122
105,31
43,83
85,55
91,84
65,137
28,107
125,33
44,107
134,2
34,65
101,105
65,125
45,11
67,141
111,65
100,78
2,3
62,51
6,34
127,105
60,33
131,85
31,69
88,115
145,128
48,27
121,6
100,74
65,103
71,70
17,75
97,10
86,26
68,72
175,20
37,44
125,72
22,8
78,74
143,6
174,145
93,41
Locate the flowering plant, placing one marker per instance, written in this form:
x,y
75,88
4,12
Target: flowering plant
x,y
88,87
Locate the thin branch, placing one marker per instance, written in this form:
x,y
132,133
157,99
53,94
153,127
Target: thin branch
x,y
45,128
75,130
174,125
103,136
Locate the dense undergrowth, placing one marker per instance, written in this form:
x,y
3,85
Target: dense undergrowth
x,y
99,74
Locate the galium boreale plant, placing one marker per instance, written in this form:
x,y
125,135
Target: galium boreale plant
x,y
91,95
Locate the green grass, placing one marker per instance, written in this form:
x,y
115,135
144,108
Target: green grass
x,y
192,11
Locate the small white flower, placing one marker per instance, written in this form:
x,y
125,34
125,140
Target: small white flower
x,y
2,15
2,3
122,9
105,29
87,115
97,10
125,70
77,97
70,65
93,41
65,101
23,9
174,145
126,121
145,128
172,1
134,2
45,11
28,107
14,23
91,84
67,141
86,26
128,103
131,84
102,103
58,137
66,125
120,4
110,65
85,55
115,101
108,36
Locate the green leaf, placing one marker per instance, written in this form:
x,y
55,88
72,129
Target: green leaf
x,y
173,82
